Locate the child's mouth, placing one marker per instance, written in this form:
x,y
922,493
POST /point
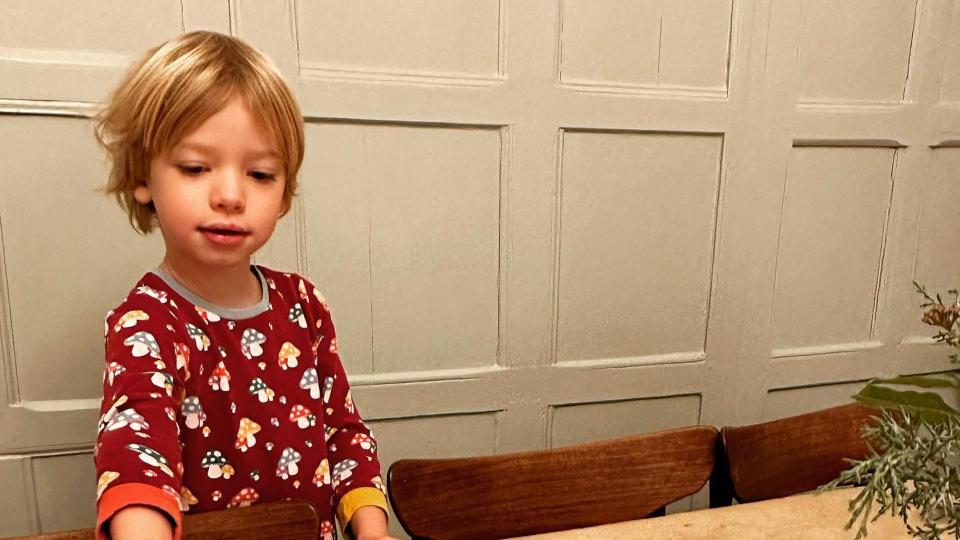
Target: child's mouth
x,y
223,236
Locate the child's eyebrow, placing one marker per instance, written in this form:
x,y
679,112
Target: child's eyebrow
x,y
203,148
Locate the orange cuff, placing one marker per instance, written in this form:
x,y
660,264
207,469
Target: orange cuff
x,y
116,498
357,497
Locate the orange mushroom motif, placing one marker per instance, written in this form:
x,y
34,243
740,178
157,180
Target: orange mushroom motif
x,y
186,498
288,356
183,358
245,497
245,435
302,416
321,476
130,319
207,316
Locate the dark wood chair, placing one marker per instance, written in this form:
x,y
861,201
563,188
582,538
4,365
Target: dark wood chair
x,y
550,490
788,456
289,520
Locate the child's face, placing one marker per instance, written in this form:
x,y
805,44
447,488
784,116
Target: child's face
x,y
218,192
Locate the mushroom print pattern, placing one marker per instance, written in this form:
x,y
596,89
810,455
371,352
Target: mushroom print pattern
x,y
151,457
309,382
261,390
130,318
215,462
342,471
220,378
288,356
200,339
296,316
321,476
195,397
142,344
287,465
250,343
127,418
326,530
302,416
193,412
245,435
186,499
245,497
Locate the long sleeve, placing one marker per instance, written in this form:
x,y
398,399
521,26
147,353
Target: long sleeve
x,y
138,455
351,448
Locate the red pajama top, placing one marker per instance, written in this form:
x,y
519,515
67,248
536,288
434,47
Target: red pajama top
x,y
207,408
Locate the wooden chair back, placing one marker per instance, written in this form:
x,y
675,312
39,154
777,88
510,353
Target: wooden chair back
x,y
288,520
549,490
792,455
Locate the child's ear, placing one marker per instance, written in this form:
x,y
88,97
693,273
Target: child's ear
x,y
142,194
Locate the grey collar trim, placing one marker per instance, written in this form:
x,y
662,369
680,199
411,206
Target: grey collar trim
x,y
225,312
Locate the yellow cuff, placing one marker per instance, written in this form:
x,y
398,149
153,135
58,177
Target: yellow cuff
x,y
354,499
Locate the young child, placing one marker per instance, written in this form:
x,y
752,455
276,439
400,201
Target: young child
x,y
223,386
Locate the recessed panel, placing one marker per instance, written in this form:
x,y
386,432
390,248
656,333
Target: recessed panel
x,y
459,435
646,42
66,492
587,422
407,36
794,401
74,50
636,242
831,237
950,83
402,233
857,50
69,253
15,499
937,256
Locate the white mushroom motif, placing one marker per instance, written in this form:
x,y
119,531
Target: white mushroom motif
x,y
287,465
111,412
192,410
199,338
216,464
296,316
151,457
309,382
250,343
143,343
342,471
260,389
160,296
327,388
163,380
183,357
128,417
113,370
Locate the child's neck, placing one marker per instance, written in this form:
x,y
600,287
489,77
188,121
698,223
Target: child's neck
x,y
233,287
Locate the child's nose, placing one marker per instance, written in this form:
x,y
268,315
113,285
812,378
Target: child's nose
x,y
228,193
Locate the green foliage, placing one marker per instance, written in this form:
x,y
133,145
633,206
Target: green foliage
x,y
914,461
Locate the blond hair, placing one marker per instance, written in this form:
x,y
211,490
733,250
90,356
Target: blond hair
x,y
174,88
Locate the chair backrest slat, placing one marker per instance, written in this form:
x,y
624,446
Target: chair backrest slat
x,y
288,520
796,454
549,490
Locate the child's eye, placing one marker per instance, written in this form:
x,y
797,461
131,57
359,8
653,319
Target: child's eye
x,y
191,170
261,175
